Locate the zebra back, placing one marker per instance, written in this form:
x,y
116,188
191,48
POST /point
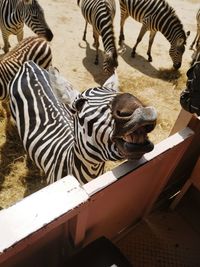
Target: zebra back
x,y
45,126
31,48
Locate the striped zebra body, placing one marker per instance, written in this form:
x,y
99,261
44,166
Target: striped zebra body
x,y
31,48
13,15
197,36
155,15
75,139
100,14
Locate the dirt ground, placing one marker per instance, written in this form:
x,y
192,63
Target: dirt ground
x,y
154,83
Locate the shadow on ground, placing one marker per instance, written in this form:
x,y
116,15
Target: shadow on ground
x,y
144,66
95,70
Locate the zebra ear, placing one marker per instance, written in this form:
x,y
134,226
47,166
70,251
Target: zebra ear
x,y
63,89
188,33
79,103
112,82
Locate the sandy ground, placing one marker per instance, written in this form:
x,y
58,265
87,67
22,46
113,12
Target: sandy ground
x,y
151,82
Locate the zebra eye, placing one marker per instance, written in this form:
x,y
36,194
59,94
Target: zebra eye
x,y
79,103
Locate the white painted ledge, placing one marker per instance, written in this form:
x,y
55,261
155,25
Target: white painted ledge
x,y
39,209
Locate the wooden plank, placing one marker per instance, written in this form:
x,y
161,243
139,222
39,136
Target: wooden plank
x,y
182,121
194,179
131,197
38,211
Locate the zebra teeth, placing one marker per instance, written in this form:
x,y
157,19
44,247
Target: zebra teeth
x,y
135,138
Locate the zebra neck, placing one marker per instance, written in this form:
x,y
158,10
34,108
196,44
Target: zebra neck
x,y
174,35
109,43
171,28
85,171
18,11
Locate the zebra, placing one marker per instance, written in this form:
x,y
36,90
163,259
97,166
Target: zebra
x,y
13,15
31,48
155,15
197,37
100,14
100,124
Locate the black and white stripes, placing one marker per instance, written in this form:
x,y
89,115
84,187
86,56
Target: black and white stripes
x,y
155,15
196,40
13,15
100,14
31,48
79,138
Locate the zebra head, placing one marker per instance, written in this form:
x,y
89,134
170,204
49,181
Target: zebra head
x,y
35,19
176,52
110,125
178,48
110,61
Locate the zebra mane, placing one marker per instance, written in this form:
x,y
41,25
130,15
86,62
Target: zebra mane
x,y
108,11
62,88
110,16
112,82
172,11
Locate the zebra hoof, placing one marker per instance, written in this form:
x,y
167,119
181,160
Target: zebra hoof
x,y
150,59
133,54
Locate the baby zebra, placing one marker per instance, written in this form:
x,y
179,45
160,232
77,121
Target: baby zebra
x,y
100,14
155,15
197,37
13,15
100,125
31,48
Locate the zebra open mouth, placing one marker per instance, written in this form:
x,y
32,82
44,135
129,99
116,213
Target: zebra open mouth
x,y
133,145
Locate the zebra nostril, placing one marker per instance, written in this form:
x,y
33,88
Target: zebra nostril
x,y
48,35
123,114
177,66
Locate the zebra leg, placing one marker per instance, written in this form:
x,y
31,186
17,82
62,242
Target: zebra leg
x,y
140,36
96,45
5,105
85,31
151,39
124,16
6,42
20,36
